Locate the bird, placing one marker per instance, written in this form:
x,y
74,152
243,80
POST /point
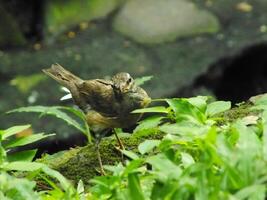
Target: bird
x,y
107,104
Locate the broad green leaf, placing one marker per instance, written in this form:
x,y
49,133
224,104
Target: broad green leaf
x,y
259,99
142,80
130,154
165,191
80,190
82,116
115,169
148,123
185,110
23,166
163,168
248,141
65,184
21,141
53,110
134,187
148,126
156,109
14,130
217,107
133,166
200,102
264,138
187,130
26,155
148,145
12,188
187,159
3,154
252,192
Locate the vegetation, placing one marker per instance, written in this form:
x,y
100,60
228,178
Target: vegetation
x,y
202,155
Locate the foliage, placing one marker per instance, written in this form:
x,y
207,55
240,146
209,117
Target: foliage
x,y
199,157
57,112
14,188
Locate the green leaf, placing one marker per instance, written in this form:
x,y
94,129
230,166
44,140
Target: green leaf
x,y
163,168
142,80
23,166
148,145
165,191
82,116
130,154
148,125
248,141
217,107
256,192
200,102
264,138
187,159
80,190
65,184
186,111
134,187
14,130
21,141
26,155
12,188
53,110
259,99
187,130
115,169
132,166
156,109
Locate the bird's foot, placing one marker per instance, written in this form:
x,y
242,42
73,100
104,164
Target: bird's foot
x,y
101,172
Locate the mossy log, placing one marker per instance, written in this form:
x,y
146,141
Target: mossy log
x,y
81,162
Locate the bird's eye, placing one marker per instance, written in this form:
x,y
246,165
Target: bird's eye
x,y
129,80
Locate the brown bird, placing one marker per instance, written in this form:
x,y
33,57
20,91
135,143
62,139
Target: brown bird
x,y
107,103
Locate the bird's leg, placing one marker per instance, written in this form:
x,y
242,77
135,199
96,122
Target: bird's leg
x,y
119,141
98,140
120,144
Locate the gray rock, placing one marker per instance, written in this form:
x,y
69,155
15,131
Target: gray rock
x,y
98,52
156,21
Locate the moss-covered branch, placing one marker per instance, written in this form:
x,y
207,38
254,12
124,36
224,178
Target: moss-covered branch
x,y
81,162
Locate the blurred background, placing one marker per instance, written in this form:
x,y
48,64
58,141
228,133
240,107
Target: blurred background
x,y
191,47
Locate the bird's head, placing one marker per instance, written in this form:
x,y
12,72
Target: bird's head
x,y
123,82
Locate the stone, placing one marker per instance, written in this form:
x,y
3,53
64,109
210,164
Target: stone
x,y
157,21
98,52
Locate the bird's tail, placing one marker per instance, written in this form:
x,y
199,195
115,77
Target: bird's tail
x,y
68,80
62,76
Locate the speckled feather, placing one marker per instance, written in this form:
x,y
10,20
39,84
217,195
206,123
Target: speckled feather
x,y
107,103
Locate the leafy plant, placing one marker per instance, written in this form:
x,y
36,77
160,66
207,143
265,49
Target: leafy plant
x,y
200,156
14,188
60,112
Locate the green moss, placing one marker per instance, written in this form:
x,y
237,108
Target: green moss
x,y
237,112
82,163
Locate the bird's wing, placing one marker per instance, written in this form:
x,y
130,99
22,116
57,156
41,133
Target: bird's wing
x,y
98,93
